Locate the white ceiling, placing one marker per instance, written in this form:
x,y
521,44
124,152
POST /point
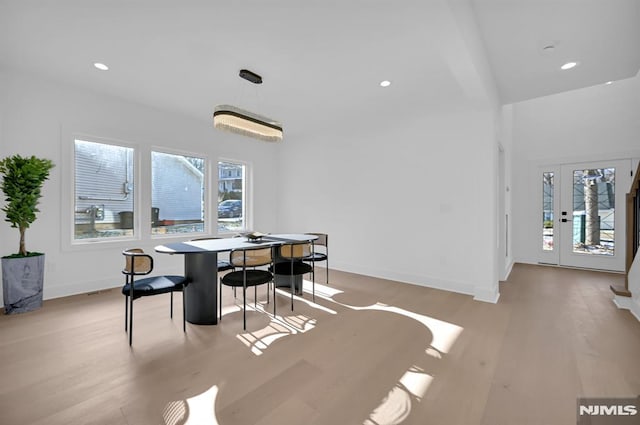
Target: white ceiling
x,y
314,56
603,36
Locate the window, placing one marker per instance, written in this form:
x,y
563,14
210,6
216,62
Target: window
x,y
104,201
177,193
547,211
231,197
594,211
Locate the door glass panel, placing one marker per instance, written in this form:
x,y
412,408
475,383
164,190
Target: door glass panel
x,y
547,211
594,211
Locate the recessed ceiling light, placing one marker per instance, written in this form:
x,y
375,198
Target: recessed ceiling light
x,y
385,83
101,66
568,65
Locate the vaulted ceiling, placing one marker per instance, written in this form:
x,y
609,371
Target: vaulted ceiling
x,y
318,59
527,42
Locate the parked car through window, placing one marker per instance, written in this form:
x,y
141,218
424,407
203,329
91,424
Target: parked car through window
x,y
231,208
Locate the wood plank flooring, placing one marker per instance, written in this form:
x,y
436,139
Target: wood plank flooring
x,y
369,351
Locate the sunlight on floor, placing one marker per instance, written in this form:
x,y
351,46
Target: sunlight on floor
x,y
396,406
259,340
412,385
433,353
197,410
444,333
281,326
322,291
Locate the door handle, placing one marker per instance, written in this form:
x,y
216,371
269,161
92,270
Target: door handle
x,y
564,220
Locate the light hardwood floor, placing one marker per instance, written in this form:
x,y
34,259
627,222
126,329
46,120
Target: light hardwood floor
x,y
370,351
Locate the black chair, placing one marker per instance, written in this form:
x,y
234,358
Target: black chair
x,y
315,256
293,265
248,260
137,263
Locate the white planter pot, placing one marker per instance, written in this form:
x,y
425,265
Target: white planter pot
x,y
22,281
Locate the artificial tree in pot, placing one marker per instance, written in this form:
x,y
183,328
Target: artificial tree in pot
x,y
23,272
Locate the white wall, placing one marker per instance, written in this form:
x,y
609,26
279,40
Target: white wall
x,y
415,204
505,206
40,118
600,122
3,104
413,200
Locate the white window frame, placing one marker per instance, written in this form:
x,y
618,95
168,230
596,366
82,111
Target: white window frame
x,y
68,201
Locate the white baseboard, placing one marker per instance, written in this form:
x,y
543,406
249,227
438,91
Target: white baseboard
x,y
487,295
57,290
466,288
507,271
628,303
635,310
52,291
623,303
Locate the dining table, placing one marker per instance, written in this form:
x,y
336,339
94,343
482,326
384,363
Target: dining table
x,y
201,267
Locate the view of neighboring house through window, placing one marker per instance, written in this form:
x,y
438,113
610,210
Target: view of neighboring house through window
x,y
104,201
231,197
177,193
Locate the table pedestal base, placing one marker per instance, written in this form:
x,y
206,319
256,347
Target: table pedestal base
x,y
202,291
284,281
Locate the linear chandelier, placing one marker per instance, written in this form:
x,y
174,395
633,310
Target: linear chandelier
x,y
236,120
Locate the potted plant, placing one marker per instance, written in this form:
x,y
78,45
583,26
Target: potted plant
x,y
23,272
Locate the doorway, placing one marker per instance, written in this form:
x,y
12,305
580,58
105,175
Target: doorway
x,y
583,214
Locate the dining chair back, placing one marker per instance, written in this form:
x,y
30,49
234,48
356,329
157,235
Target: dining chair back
x,y
320,252
251,257
246,274
292,264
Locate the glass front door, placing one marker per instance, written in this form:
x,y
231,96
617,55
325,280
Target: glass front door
x,y
591,228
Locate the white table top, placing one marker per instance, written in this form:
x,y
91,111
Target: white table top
x,y
230,244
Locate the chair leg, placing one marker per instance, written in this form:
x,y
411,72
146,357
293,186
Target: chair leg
x,y
327,270
171,310
126,312
244,307
293,288
184,310
130,320
274,298
313,281
220,300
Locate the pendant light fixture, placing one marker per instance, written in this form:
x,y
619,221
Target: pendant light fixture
x,y
239,121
